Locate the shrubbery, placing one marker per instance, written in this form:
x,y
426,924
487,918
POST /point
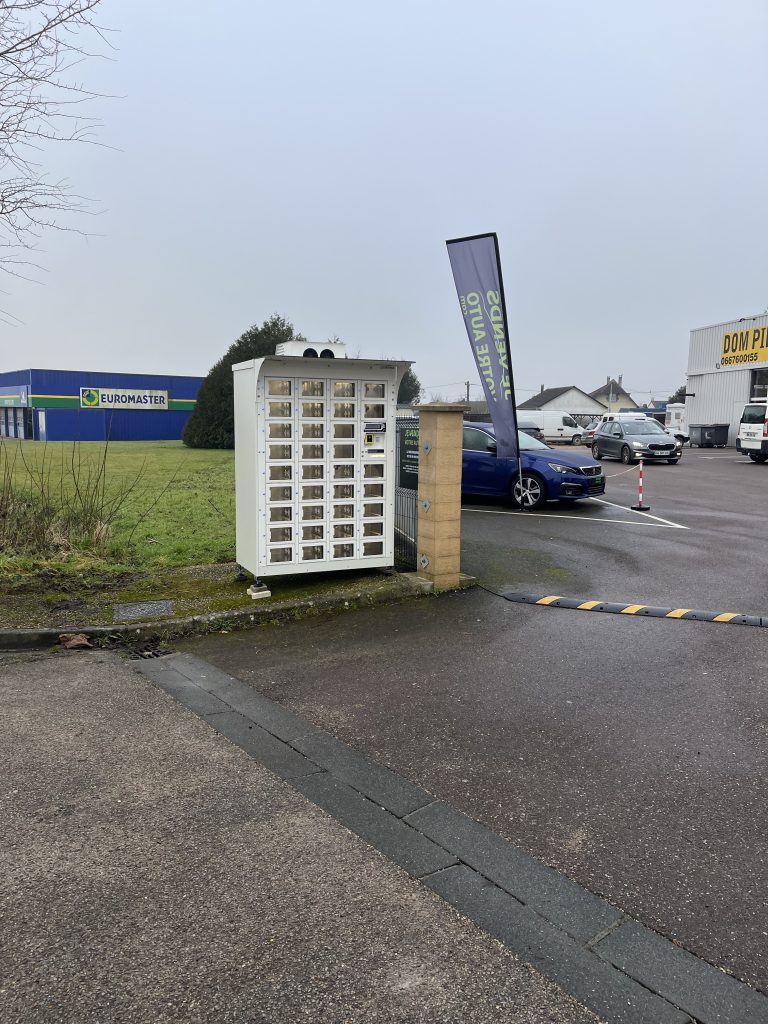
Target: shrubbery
x,y
212,424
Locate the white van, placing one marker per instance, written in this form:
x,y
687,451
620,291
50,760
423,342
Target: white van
x,y
557,426
623,417
752,438
674,421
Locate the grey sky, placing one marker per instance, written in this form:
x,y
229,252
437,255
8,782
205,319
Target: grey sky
x,y
311,159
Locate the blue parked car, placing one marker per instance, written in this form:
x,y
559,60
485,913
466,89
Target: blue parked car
x,y
548,475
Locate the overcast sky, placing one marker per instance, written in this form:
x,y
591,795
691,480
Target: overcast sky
x,y
311,159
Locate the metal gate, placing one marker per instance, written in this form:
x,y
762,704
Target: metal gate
x,y
406,492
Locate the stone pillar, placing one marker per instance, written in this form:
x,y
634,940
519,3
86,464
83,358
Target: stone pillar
x,y
438,557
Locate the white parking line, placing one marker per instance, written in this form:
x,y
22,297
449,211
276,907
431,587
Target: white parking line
x,y
662,525
675,526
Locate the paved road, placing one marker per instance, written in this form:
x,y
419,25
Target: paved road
x,y
630,754
153,872
719,562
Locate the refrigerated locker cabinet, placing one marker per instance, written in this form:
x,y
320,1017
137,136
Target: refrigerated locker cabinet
x,y
315,463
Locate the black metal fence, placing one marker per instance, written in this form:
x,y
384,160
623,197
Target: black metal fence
x,y
406,492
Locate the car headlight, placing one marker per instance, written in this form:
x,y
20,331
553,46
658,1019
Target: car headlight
x,y
638,444
557,468
678,444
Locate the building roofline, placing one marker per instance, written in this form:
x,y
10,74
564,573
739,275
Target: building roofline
x,y
121,373
722,323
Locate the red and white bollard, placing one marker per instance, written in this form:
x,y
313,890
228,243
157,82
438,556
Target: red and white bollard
x,y
640,507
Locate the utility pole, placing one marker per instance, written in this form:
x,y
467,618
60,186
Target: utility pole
x,y
467,383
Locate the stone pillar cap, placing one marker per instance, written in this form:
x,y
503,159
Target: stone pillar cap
x,y
443,407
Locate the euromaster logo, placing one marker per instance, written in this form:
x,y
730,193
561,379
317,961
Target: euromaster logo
x,y
123,398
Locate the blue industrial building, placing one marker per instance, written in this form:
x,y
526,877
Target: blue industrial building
x,y
80,405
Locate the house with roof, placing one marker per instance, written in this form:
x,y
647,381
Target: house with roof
x,y
613,396
568,399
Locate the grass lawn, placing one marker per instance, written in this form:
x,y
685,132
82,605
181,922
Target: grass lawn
x,y
173,538
181,512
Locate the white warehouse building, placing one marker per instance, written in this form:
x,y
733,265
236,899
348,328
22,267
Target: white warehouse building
x,y
727,366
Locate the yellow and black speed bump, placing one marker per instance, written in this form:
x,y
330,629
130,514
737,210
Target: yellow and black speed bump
x,y
612,607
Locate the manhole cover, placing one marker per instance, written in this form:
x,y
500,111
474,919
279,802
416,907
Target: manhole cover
x,y
140,611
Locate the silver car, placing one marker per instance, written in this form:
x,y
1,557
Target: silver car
x,y
631,440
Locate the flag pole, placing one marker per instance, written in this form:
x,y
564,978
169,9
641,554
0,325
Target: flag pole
x,y
509,366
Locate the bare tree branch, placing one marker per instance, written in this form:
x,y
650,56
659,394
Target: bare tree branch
x,y
42,42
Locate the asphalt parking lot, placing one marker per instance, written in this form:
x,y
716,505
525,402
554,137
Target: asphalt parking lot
x,y
628,753
704,544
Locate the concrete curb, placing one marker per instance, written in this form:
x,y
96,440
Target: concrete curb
x,y
410,585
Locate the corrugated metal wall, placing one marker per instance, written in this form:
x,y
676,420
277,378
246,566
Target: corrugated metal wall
x,y
69,382
721,392
117,425
58,393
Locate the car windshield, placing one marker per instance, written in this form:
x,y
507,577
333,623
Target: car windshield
x,y
643,427
525,441
753,414
528,443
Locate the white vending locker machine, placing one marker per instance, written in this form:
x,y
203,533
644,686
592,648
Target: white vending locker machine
x,y
315,463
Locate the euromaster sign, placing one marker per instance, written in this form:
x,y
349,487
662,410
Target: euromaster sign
x,y
123,398
741,348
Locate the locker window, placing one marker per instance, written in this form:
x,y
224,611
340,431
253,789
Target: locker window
x,y
313,512
343,490
313,410
372,510
374,412
313,451
373,547
312,492
280,534
280,451
312,532
311,552
312,431
279,387
277,430
281,554
280,493
312,472
374,471
373,529
344,530
343,430
280,514
343,550
343,511
373,491
344,389
374,390
344,410
312,388
280,472
280,410
344,472
343,451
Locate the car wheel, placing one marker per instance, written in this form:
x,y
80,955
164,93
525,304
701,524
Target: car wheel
x,y
673,462
758,458
626,456
596,452
576,439
534,491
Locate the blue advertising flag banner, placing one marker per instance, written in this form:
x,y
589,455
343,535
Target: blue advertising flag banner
x,y
477,273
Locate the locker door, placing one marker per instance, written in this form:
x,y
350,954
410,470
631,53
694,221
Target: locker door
x,y
279,470
344,469
374,511
311,468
